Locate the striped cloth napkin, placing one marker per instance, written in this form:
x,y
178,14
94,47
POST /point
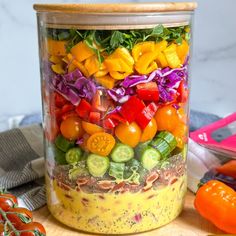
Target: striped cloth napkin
x,y
22,161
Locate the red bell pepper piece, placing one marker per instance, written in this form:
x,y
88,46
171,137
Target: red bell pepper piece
x,y
132,108
69,114
146,115
108,123
59,100
116,117
67,107
83,109
183,92
148,91
94,117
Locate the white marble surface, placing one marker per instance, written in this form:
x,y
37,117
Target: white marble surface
x,y
214,59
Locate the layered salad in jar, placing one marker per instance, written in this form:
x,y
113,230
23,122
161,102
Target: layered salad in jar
x,y
116,125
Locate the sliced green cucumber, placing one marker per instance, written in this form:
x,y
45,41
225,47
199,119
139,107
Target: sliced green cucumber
x,y
63,144
150,158
140,147
73,155
78,170
169,138
122,153
59,156
161,146
117,170
97,165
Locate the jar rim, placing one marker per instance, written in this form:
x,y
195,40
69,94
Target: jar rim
x,y
117,8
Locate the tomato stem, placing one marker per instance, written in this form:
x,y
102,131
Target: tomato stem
x,y
8,223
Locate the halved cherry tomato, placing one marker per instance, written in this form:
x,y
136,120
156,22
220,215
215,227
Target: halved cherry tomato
x,y
128,134
91,128
150,131
19,216
7,201
101,143
166,118
32,228
180,132
71,128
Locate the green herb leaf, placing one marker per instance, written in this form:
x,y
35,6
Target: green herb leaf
x,y
116,39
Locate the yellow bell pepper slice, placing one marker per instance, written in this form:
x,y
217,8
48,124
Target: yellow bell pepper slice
x,y
117,64
146,63
141,48
56,48
92,65
57,68
119,75
101,73
55,59
172,56
71,67
182,51
81,51
124,54
161,60
77,64
161,46
107,81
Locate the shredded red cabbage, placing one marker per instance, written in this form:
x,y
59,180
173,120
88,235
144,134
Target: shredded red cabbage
x,y
74,86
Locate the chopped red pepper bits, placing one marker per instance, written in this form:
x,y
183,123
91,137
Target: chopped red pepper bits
x,y
183,92
148,91
94,117
131,108
83,109
145,116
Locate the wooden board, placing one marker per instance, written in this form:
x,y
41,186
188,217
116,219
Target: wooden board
x,y
189,223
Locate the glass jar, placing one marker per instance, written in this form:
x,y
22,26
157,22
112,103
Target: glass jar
x,y
115,89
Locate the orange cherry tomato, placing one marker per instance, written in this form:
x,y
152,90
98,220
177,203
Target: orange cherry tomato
x,y
128,134
71,128
166,118
181,134
101,143
19,216
150,131
91,128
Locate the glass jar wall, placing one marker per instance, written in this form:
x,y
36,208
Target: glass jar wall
x,y
115,89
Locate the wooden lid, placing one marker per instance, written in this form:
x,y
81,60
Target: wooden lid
x,y
117,8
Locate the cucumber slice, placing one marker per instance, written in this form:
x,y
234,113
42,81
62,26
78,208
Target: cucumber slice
x,y
150,158
73,155
162,146
140,148
122,153
169,138
117,170
59,157
78,170
63,144
97,165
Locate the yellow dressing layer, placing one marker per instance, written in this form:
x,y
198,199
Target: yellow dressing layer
x,y
110,213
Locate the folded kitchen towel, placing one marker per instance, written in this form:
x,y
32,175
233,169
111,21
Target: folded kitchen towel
x,y
22,165
22,161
